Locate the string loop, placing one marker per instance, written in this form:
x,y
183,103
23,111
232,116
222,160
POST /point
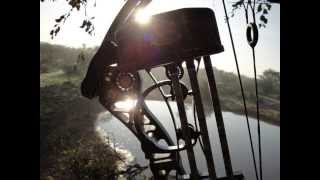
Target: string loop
x,y
252,34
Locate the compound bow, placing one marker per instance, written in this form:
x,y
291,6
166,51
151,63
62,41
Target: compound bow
x,y
170,39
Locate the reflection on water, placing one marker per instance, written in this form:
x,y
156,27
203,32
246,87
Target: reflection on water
x,y
126,157
237,136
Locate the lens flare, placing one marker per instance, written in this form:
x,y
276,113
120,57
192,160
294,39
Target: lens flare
x,y
126,105
142,17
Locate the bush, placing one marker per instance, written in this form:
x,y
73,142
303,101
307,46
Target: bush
x,y
44,69
88,158
70,70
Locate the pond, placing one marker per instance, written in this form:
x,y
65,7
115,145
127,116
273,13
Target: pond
x,y
237,135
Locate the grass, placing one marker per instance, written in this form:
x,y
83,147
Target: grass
x,y
69,145
58,78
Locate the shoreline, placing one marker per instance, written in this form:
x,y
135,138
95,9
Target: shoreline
x,y
266,114
263,119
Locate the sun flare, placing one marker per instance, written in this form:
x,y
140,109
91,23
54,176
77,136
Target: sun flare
x,y
127,104
142,16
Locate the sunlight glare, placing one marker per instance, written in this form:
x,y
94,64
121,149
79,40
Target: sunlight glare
x,y
142,16
127,104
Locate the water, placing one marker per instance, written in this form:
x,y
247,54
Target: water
x,y
237,136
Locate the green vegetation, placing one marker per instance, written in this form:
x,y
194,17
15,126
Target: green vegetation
x,y
269,94
230,94
70,148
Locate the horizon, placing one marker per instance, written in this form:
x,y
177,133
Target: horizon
x,y
201,66
267,49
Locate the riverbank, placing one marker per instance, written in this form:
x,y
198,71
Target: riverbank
x,y
70,147
230,95
269,112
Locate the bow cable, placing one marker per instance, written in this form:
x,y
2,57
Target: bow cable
x,y
155,81
194,112
257,95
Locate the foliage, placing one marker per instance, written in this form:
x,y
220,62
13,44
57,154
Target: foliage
x,y
262,9
87,23
230,94
57,57
67,132
270,82
89,158
231,99
70,70
69,145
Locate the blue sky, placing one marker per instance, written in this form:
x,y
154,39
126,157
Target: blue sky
x,y
267,49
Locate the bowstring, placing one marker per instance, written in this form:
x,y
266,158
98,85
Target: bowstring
x,y
257,96
242,90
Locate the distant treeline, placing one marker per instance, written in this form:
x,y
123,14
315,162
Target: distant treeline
x,y
58,57
75,60
230,94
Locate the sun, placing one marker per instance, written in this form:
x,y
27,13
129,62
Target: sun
x,y
142,16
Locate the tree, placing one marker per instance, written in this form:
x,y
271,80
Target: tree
x,y
258,7
270,82
87,24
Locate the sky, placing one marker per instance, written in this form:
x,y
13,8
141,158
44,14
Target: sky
x,y
267,49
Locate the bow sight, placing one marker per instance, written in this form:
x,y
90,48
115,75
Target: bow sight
x,y
171,38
